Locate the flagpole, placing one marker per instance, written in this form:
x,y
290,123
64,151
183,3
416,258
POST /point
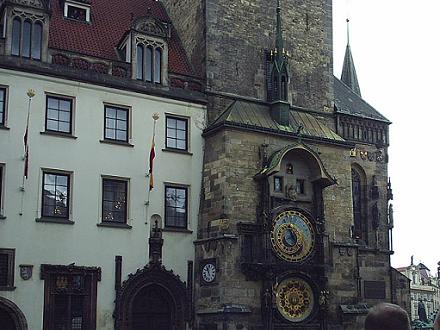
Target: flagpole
x,y
150,171
30,93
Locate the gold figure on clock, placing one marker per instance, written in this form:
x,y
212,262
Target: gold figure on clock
x,y
292,236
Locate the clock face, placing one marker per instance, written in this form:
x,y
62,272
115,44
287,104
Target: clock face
x,y
294,299
292,236
208,273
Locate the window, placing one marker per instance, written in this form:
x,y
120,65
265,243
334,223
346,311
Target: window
x,y
114,201
77,12
176,207
149,63
2,106
116,123
7,260
177,133
300,186
56,195
358,196
59,114
69,297
27,38
278,184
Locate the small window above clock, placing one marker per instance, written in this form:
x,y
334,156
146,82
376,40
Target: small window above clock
x,y
78,11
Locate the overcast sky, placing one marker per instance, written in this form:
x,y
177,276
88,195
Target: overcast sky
x,y
396,50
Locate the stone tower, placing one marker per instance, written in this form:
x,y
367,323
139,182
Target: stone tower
x,y
293,227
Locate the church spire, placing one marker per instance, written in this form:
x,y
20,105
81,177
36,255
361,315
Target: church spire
x,y
279,44
349,76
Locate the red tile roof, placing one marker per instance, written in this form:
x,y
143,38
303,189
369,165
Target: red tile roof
x,y
110,20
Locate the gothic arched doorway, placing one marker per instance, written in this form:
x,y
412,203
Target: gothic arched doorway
x,y
152,299
153,309
11,317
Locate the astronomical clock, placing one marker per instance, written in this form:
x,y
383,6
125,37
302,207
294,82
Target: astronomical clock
x,y
285,249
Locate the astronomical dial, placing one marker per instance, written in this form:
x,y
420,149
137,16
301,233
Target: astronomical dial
x,y
294,299
208,272
292,236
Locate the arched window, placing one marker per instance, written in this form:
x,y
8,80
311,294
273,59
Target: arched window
x,y
158,65
16,34
149,64
275,87
26,46
37,35
359,228
284,88
140,62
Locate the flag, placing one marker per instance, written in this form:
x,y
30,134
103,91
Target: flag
x,y
152,155
26,151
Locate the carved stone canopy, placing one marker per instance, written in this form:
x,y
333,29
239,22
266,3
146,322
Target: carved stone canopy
x,y
40,4
151,26
156,277
274,164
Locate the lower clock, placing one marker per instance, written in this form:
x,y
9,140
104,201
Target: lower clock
x,y
209,271
295,299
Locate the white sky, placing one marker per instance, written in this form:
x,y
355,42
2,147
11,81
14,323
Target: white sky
x,y
396,50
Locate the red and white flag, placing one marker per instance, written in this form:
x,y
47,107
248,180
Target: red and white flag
x,y
152,155
26,151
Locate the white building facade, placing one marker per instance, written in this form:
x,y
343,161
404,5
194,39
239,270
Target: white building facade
x,y
84,242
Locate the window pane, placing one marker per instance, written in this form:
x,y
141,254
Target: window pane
x,y
64,105
171,133
149,64
52,125
181,124
157,65
171,143
121,135
181,135
110,112
181,145
121,114
63,127
110,123
140,62
121,125
110,134
36,41
27,39
16,32
76,13
52,114
171,122
63,116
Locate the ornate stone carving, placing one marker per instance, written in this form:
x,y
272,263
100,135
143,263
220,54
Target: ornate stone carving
x,y
26,15
151,26
30,3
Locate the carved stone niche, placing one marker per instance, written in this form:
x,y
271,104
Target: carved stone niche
x,y
151,26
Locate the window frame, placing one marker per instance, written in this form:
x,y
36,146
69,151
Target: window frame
x,y
69,196
26,38
126,213
117,107
4,108
187,200
280,179
90,277
150,65
187,125
11,269
2,190
72,107
68,4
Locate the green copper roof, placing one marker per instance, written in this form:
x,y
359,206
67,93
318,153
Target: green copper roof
x,y
255,115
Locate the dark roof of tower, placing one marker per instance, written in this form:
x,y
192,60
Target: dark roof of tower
x,y
349,76
110,20
256,115
350,103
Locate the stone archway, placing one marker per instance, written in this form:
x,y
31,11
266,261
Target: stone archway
x,y
11,317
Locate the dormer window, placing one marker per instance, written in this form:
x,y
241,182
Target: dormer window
x,y
148,43
26,38
77,11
